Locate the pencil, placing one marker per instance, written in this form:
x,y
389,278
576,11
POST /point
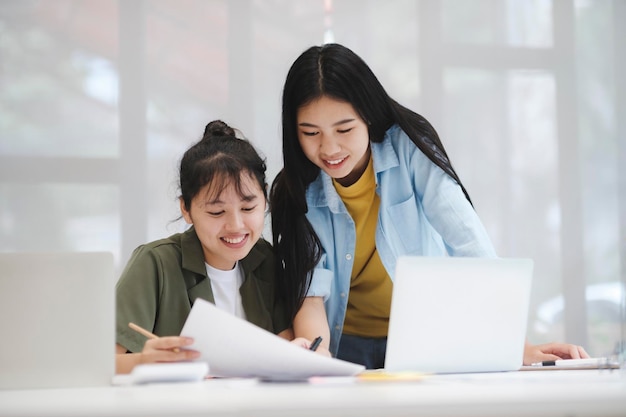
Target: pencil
x,y
146,333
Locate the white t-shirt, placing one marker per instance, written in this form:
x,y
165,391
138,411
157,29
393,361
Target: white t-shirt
x,y
225,286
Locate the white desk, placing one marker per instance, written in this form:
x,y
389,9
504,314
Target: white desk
x,y
541,393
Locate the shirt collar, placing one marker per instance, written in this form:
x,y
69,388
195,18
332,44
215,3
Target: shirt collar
x,y
384,155
192,253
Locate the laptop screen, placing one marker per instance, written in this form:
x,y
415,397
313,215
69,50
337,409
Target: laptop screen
x,y
452,314
58,310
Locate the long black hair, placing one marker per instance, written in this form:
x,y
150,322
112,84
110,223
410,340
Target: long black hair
x,y
334,71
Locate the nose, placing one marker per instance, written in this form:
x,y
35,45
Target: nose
x,y
328,145
234,221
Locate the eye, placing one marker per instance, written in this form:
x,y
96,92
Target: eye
x,y
248,209
215,213
309,133
344,130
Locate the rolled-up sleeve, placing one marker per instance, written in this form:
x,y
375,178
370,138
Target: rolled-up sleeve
x,y
321,281
137,294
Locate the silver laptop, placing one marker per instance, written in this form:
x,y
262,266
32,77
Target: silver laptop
x,y
56,320
456,315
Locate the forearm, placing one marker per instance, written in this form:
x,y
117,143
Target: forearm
x,y
125,362
310,322
287,334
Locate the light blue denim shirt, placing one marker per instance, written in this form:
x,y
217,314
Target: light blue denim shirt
x,y
422,212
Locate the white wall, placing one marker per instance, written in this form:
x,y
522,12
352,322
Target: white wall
x,y
99,99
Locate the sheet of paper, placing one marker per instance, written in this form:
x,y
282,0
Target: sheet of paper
x,y
236,348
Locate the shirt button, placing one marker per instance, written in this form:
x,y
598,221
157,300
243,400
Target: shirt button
x,y
336,327
343,295
348,256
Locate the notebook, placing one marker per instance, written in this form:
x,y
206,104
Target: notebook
x,y
456,315
56,320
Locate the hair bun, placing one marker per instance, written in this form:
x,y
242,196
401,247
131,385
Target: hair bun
x,y
218,128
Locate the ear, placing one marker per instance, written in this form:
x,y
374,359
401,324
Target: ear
x,y
183,210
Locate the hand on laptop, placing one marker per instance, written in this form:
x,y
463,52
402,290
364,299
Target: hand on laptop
x,y
552,351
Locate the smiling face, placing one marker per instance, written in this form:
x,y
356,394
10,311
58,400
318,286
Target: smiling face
x,y
335,138
228,224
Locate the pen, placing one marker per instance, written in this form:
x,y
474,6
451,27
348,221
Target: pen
x,y
316,343
146,333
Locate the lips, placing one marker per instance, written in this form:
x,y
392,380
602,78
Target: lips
x,y
235,241
334,162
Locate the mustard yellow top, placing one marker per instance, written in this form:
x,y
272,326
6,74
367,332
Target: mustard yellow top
x,y
369,301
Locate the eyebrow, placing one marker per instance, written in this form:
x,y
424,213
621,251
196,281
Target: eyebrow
x,y
341,122
246,198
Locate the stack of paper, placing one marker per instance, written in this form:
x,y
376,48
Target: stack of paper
x,y
236,348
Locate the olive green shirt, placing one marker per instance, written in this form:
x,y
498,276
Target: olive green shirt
x,y
163,278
